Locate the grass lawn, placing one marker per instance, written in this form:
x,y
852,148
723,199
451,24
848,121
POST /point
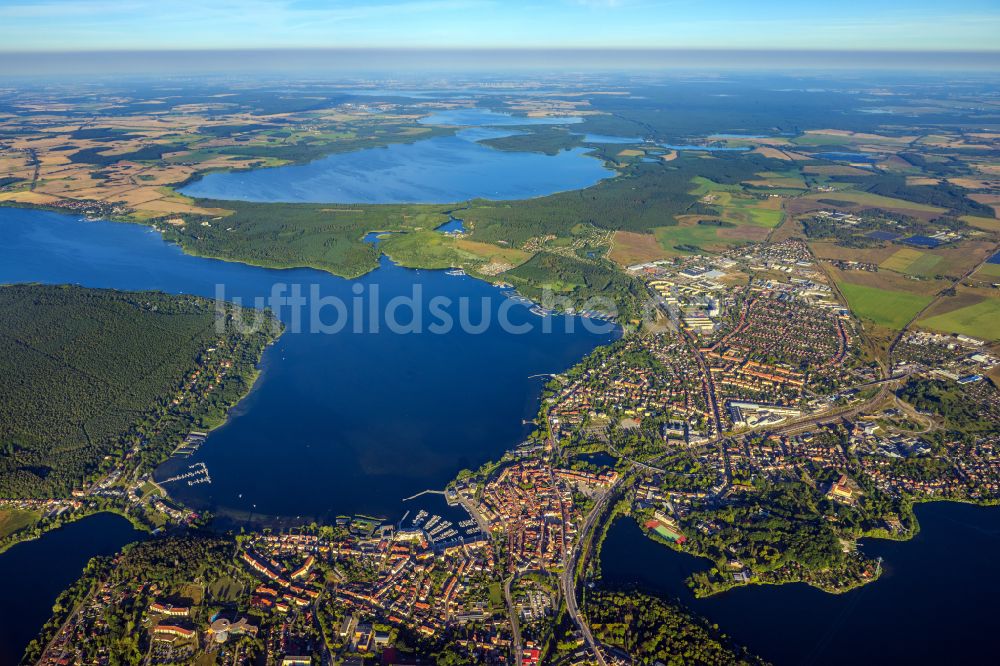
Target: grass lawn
x,y
225,589
496,596
990,270
886,308
980,320
12,520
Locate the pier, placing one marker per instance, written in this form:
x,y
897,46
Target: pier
x,y
197,473
423,492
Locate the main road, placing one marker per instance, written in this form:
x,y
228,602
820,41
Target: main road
x,y
514,626
567,579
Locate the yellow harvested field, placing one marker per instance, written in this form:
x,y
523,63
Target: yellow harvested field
x,y
492,252
862,136
163,206
669,156
773,153
920,180
36,198
631,152
901,260
984,223
629,247
975,183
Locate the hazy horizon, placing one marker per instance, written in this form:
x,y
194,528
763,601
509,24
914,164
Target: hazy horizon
x,y
360,61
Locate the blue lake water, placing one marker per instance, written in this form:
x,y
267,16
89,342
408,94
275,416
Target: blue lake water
x,y
442,169
935,601
338,423
452,226
705,148
605,138
35,572
836,156
488,118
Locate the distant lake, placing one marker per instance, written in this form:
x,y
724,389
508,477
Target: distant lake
x,y
488,118
442,169
605,138
706,148
339,423
935,602
847,157
451,226
35,572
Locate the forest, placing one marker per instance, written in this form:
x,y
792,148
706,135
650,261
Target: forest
x,y
86,375
653,631
644,196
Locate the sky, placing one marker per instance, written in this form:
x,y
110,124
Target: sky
x,y
892,25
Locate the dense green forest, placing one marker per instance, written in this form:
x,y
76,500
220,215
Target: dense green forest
x,y
545,139
653,631
942,194
644,196
328,237
87,374
576,282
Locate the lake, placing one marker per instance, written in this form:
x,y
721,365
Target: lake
x,y
835,156
337,423
935,602
487,118
605,138
705,148
442,169
35,572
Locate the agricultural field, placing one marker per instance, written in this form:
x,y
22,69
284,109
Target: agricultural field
x,y
850,199
979,320
911,261
694,234
892,309
633,248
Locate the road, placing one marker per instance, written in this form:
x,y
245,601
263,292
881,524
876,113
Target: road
x,y
567,578
514,626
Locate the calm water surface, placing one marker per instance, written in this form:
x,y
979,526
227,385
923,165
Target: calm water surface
x,y
35,572
442,169
935,602
337,424
488,118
